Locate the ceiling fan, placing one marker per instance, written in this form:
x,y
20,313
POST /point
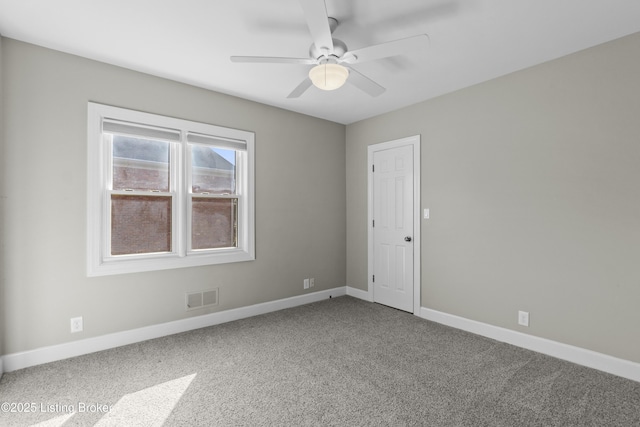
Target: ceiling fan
x,y
331,57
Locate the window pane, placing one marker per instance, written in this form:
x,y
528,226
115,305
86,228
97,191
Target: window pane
x,y
213,170
213,223
140,164
140,224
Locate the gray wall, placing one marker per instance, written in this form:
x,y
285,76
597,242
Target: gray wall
x,y
300,201
2,204
533,181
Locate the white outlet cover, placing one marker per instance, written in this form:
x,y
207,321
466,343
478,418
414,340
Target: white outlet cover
x,y
76,324
523,318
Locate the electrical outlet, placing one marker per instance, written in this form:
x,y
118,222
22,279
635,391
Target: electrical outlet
x,y
76,324
312,282
306,283
523,318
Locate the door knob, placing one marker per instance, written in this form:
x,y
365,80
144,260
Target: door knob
x,y
407,239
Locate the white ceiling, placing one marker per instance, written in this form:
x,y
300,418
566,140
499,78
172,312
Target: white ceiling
x,y
191,41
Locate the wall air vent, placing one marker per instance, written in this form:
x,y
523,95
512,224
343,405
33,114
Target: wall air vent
x,y
201,299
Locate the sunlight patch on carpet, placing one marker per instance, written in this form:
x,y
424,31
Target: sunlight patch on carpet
x,y
148,407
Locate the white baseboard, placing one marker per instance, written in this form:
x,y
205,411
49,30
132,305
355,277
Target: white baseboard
x,y
358,293
592,359
620,367
42,355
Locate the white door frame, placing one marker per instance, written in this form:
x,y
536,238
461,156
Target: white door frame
x,y
415,142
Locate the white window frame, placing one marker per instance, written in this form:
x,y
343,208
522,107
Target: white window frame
x,y
99,260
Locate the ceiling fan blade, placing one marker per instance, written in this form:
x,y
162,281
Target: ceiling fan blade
x,y
385,50
315,12
300,89
364,83
273,60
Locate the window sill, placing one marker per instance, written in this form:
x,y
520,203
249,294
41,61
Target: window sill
x,y
166,262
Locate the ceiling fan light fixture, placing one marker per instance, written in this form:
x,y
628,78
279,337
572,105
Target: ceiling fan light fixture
x,y
328,76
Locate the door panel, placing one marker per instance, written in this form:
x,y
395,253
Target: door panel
x,y
393,227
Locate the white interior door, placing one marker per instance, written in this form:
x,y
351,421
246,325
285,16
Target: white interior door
x,y
393,227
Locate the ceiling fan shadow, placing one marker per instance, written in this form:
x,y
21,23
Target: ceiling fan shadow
x,y
358,32
362,22
277,27
417,18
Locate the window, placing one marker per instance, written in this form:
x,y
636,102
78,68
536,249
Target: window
x,y
166,193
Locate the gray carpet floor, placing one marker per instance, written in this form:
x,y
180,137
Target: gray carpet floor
x,y
342,362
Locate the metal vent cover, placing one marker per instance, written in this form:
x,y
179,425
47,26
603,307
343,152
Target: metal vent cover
x,y
201,299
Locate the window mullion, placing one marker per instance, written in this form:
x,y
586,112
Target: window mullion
x,y
189,229
107,185
242,192
181,181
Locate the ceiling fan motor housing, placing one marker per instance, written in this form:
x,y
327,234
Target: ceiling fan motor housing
x,y
339,49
